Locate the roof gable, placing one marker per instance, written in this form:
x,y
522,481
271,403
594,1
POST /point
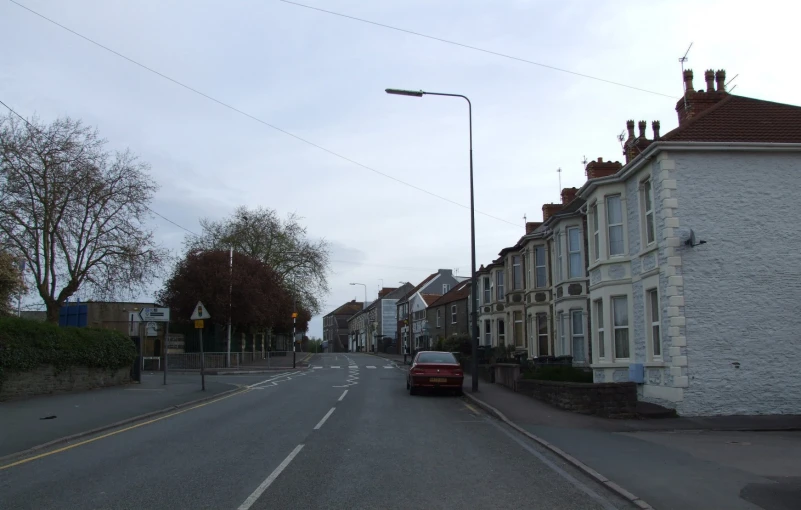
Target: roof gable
x,y
459,292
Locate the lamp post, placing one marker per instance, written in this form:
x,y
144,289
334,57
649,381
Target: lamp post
x,y
473,283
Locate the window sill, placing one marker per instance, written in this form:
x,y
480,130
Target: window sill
x,y
617,259
648,249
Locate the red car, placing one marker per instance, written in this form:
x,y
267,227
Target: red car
x,y
435,370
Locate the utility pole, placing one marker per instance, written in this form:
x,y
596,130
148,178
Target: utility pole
x,y
230,304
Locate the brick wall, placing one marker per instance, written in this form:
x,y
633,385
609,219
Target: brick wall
x,y
46,380
609,400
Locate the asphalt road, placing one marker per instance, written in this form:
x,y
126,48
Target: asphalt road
x,y
348,437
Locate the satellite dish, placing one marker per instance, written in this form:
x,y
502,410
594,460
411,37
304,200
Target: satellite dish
x,y
691,241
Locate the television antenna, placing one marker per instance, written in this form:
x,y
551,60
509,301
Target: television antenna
x,y
559,171
682,60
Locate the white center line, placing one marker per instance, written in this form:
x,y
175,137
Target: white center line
x,y
343,395
270,479
329,413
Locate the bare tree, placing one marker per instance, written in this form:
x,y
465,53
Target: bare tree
x,y
284,245
11,281
74,211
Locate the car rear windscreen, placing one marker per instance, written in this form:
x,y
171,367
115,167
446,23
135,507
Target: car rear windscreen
x,y
436,357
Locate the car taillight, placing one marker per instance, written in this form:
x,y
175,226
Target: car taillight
x,y
417,371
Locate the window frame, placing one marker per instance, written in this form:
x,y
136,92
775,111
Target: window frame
x,y
500,287
538,283
488,334
517,272
595,224
655,323
610,226
501,326
622,328
487,281
540,335
648,199
446,287
454,314
600,331
560,333
518,334
559,273
579,265
574,335
439,316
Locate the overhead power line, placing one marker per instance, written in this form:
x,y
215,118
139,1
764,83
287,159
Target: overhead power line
x,y
476,48
252,117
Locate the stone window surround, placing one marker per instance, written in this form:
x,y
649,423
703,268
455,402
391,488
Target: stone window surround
x,y
598,200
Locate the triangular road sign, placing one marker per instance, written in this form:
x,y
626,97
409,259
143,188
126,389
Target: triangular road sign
x,y
200,312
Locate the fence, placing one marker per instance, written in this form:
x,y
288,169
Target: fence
x,y
183,345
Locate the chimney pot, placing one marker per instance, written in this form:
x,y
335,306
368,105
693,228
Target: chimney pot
x,y
642,125
709,76
568,194
720,78
630,127
688,81
655,126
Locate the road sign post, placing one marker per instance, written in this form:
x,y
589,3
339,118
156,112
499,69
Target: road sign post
x,y
198,316
166,336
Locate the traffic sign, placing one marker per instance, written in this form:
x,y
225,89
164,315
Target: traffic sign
x,y
155,314
294,315
199,324
200,312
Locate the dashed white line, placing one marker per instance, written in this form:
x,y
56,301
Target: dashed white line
x,y
343,395
388,366
270,479
334,366
329,413
370,366
316,367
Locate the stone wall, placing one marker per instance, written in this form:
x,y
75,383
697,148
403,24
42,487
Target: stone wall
x,y
506,374
609,400
46,379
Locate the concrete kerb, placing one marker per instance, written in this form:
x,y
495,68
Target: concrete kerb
x,y
126,421
612,486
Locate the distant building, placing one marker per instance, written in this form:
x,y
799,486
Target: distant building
x,y
335,326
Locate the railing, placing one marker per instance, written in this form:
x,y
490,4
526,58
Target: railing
x,y
238,360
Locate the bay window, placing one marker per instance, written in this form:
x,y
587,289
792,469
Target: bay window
x,y
599,320
575,264
541,272
518,328
517,273
558,239
614,225
542,334
499,288
620,312
578,335
653,320
596,238
487,290
648,211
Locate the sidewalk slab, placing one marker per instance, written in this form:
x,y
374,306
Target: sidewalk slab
x,y
671,463
28,423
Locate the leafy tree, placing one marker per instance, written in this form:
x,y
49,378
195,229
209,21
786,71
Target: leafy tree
x,y
11,282
250,291
283,244
75,211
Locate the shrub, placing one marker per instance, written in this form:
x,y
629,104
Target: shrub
x,y
562,373
26,344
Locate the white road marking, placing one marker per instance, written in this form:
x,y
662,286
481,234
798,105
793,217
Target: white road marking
x,y
370,366
389,366
270,479
334,366
343,395
273,378
316,367
329,413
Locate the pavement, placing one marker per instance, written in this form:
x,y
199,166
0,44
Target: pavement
x,y
42,419
344,434
679,463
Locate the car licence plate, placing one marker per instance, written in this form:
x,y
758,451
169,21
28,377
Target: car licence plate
x,y
438,379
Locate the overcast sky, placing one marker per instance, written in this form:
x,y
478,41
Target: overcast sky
x,y
322,78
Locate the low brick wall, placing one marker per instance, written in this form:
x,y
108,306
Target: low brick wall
x,y
485,372
46,379
609,400
506,374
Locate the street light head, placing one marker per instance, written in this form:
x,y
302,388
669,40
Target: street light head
x,y
401,92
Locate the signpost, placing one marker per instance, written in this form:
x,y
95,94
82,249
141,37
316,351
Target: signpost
x,y
198,316
155,314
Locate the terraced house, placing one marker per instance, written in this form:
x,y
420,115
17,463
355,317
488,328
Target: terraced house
x,y
677,270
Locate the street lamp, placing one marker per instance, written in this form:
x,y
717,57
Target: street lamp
x,y
473,283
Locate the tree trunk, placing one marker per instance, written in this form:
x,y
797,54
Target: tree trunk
x,y
53,308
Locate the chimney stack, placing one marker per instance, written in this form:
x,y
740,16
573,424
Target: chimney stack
x,y
568,194
695,102
642,125
601,168
630,127
688,81
655,126
531,226
709,76
549,210
720,78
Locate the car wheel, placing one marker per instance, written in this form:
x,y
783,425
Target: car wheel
x,y
412,390
407,384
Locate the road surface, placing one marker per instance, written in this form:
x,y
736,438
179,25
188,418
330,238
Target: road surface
x,y
342,434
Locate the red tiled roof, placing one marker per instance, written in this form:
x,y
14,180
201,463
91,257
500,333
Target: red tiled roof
x,y
461,291
430,298
419,286
349,308
742,119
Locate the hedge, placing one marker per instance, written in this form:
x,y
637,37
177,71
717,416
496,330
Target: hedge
x,y
560,373
26,345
